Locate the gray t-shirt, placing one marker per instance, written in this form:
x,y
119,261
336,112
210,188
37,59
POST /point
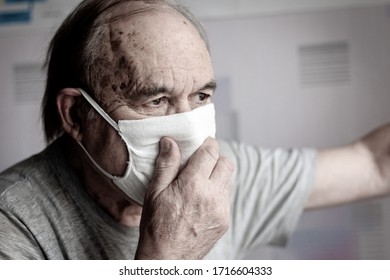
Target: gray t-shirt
x,y
45,212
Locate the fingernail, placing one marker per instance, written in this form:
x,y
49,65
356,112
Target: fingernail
x,y
165,145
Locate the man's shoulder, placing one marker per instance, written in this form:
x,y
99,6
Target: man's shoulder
x,y
237,151
29,176
17,178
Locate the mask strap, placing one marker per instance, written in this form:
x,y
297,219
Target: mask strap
x,y
99,109
95,163
108,119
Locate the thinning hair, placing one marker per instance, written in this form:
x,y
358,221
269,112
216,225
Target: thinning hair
x,y
74,55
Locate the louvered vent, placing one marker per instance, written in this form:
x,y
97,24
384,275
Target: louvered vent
x,y
324,64
29,82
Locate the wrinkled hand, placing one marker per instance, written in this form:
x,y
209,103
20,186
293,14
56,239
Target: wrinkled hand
x,y
185,214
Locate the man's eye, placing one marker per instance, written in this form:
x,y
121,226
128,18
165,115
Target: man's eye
x,y
203,96
158,101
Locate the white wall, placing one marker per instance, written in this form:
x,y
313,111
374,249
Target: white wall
x,y
21,133
260,57
219,9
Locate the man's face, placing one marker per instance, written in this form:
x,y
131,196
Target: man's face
x,y
173,74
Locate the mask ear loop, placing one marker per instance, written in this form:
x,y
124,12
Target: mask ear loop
x,y
95,163
108,119
99,109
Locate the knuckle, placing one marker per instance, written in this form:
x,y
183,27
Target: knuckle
x,y
191,185
167,161
227,163
225,222
163,163
210,151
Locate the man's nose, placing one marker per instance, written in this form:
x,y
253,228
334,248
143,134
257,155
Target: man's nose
x,y
180,107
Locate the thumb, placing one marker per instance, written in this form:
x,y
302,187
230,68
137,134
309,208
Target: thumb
x,y
167,166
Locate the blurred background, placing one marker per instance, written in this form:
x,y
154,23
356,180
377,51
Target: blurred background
x,y
303,73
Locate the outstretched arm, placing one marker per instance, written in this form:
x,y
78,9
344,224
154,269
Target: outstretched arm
x,y
354,172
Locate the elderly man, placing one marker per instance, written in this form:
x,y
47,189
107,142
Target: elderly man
x,y
133,170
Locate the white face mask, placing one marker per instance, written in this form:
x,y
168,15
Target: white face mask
x,y
142,139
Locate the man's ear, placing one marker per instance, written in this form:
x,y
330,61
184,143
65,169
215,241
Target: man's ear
x,y
67,109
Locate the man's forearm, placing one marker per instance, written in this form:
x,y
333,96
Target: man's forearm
x,y
354,172
378,144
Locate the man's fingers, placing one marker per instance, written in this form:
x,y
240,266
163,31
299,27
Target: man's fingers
x,y
167,165
203,160
222,172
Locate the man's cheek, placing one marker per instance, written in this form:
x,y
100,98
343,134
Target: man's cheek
x,y
118,157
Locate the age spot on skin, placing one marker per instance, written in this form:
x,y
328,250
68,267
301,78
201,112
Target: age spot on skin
x,y
105,81
122,62
131,34
123,86
114,87
115,44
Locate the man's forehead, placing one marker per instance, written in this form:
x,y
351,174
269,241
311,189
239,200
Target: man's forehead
x,y
145,21
142,36
143,48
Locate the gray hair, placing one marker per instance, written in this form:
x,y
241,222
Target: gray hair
x,y
75,49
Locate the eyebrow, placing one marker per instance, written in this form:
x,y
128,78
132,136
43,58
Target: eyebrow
x,y
212,85
149,91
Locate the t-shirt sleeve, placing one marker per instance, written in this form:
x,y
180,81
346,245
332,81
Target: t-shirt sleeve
x,y
16,242
270,189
